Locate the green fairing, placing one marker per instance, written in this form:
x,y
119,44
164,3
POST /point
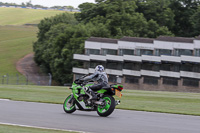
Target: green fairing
x,y
102,91
75,89
88,85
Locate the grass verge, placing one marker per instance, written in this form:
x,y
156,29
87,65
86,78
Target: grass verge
x,y
20,129
154,101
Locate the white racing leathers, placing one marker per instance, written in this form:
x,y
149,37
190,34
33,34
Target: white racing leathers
x,y
100,77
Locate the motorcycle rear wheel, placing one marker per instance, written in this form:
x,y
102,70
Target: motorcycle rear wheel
x,y
69,108
108,108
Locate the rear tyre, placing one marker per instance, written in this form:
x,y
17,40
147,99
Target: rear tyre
x,y
69,107
108,108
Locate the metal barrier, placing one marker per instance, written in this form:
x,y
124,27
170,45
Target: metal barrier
x,y
17,79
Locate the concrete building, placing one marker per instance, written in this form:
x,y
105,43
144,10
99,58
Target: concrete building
x,y
164,63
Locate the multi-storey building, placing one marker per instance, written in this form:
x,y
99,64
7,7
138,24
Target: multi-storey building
x,y
164,63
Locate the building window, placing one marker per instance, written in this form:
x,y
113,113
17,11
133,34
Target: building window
x,y
187,67
126,52
132,66
92,51
197,52
190,67
159,52
179,52
170,81
131,79
170,67
151,80
196,68
109,52
82,64
93,64
112,78
190,82
150,66
114,65
144,52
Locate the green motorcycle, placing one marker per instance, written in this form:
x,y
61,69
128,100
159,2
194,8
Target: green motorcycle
x,y
80,99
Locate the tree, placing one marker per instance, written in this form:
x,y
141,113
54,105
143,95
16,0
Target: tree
x,y
43,43
195,21
58,40
158,11
183,10
120,17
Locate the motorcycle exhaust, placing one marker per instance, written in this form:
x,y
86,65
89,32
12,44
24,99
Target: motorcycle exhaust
x,y
117,102
98,103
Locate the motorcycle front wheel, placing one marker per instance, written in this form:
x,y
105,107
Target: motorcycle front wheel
x,y
67,106
108,107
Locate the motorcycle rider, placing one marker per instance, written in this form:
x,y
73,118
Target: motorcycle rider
x,y
101,77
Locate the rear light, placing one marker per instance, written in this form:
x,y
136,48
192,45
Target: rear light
x,y
120,88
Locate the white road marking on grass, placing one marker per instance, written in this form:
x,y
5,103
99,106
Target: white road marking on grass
x,y
4,100
56,129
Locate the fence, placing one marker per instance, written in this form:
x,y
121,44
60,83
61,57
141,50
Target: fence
x,y
17,79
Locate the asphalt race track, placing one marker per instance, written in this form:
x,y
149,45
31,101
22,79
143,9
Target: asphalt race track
x,y
121,121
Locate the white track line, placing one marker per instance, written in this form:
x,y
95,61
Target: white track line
x,y
11,124
4,100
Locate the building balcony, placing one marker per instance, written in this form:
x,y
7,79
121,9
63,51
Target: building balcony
x,y
131,72
97,57
132,58
151,58
91,70
114,72
114,58
190,74
170,74
81,57
80,70
170,58
150,73
190,58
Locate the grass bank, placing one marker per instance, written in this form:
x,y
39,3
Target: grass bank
x,y
20,16
166,102
15,42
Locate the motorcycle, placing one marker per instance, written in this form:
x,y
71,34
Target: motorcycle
x,y
80,99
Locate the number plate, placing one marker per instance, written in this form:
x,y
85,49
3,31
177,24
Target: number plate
x,y
118,93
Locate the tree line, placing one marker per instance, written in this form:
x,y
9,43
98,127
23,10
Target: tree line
x,y
61,36
29,4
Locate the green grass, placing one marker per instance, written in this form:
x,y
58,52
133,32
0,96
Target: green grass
x,y
19,129
19,16
155,101
15,42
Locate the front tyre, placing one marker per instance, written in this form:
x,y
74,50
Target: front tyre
x,y
108,107
69,105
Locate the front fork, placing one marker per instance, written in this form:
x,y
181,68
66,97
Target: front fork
x,y
71,99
